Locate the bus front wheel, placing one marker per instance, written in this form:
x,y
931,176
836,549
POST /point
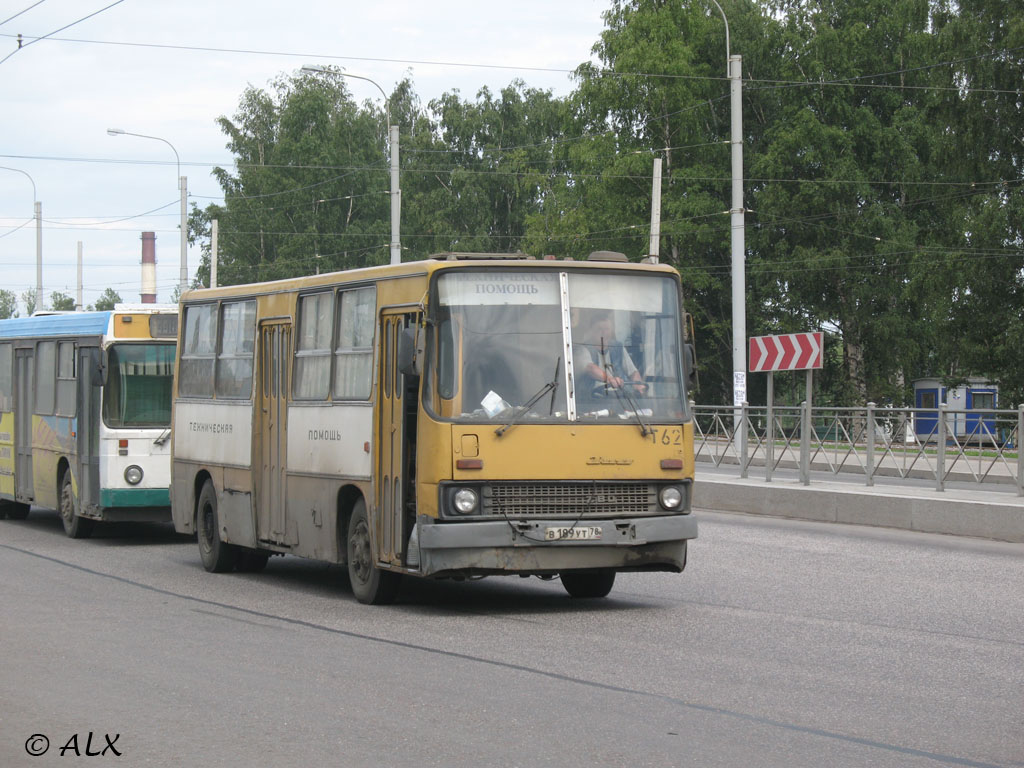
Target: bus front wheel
x,y
75,526
370,584
217,556
588,583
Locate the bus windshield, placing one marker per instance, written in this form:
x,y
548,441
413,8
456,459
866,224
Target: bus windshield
x,y
502,341
139,385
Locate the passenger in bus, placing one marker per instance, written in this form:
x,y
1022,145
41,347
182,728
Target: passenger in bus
x,y
600,360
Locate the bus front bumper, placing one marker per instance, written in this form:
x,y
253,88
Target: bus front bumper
x,y
521,547
145,505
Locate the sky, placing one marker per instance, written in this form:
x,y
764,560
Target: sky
x,y
170,69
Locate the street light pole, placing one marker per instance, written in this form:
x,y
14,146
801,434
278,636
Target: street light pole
x,y
396,192
733,67
183,187
37,213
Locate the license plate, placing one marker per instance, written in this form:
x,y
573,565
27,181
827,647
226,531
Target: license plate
x,y
572,533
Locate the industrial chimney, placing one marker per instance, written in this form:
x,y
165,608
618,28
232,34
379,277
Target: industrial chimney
x,y
149,267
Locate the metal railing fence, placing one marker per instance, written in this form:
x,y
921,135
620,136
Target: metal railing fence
x,y
944,444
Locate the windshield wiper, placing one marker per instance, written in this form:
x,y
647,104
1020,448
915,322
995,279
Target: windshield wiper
x,y
551,386
163,437
622,393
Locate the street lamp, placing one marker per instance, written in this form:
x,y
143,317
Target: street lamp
x,y
396,192
183,186
38,210
733,66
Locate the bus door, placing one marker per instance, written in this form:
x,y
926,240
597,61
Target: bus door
x,y
88,428
275,353
394,513
24,405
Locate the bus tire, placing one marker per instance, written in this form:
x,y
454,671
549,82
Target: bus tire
x,y
217,556
251,560
370,584
75,526
588,583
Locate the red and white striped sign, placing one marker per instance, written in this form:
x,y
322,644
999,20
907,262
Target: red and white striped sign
x,y
788,352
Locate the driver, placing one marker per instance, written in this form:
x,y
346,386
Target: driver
x,y
602,360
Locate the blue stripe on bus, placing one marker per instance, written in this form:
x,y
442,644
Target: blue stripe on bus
x,y
71,324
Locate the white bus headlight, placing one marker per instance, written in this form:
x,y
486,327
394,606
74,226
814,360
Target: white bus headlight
x,y
465,500
133,475
671,497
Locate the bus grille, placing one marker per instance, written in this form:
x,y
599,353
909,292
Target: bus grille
x,y
570,499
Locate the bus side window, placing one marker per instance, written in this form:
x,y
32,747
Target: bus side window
x,y
6,378
353,365
198,351
66,378
238,339
46,377
312,377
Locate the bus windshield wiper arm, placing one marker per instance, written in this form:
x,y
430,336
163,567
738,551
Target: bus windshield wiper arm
x,y
551,386
163,437
623,394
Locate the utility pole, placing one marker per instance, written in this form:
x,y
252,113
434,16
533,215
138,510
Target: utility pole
x,y
39,254
78,300
214,226
396,200
654,250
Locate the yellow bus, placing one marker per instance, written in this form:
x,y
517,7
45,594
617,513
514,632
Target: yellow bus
x,y
463,416
85,415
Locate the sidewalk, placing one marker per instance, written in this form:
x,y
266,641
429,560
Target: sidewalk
x,y
981,511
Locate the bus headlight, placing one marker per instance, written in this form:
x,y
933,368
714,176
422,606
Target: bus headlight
x,y
133,475
670,497
465,500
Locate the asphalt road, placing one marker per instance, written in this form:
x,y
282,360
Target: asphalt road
x,y
783,644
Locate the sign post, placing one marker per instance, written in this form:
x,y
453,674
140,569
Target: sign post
x,y
788,352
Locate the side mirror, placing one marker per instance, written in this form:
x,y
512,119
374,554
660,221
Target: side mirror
x,y
690,366
410,351
98,368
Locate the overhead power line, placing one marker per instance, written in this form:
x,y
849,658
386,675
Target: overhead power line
x,y
11,18
50,34
678,176
527,68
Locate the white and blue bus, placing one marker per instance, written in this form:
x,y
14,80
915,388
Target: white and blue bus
x,y
85,414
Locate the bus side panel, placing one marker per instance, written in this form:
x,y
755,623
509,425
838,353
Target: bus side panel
x,y
330,440
217,434
51,441
7,455
329,446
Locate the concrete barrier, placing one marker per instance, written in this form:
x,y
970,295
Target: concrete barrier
x,y
989,515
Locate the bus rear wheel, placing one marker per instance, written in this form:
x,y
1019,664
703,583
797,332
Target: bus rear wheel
x,y
75,526
217,556
370,584
588,583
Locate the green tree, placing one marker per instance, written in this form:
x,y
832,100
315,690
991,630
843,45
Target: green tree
x,y
974,283
310,191
29,297
107,300
660,90
8,304
61,302
835,244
